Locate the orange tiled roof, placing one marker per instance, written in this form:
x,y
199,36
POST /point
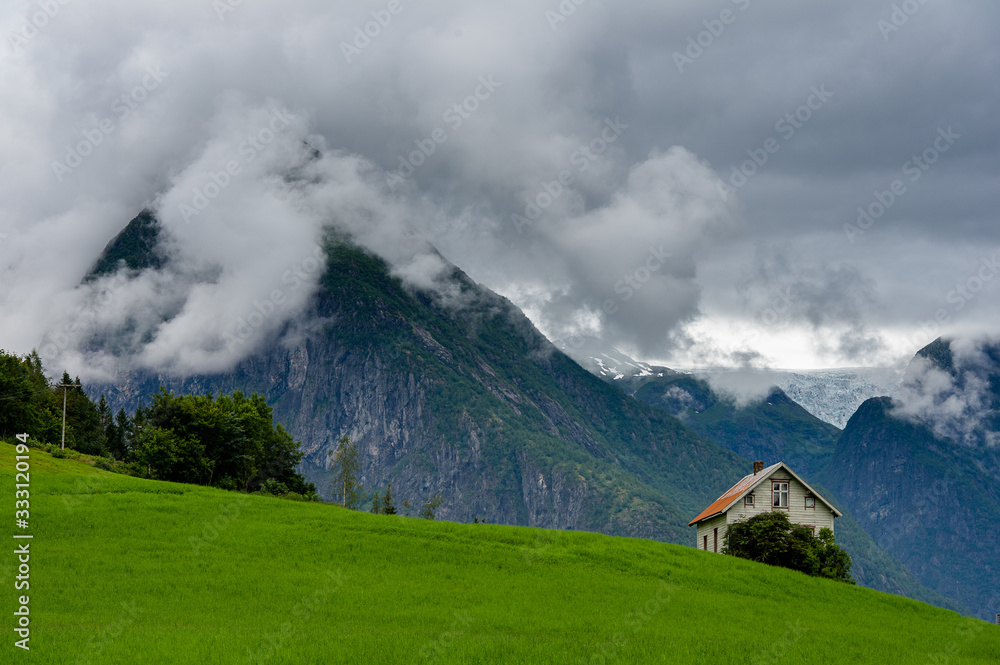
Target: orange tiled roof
x,y
733,493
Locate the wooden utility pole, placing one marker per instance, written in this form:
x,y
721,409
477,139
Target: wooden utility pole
x,y
65,386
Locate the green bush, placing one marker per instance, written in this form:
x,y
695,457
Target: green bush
x,y
771,538
59,453
104,463
274,487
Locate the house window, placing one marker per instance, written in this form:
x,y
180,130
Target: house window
x,y
705,540
779,493
716,545
748,500
811,502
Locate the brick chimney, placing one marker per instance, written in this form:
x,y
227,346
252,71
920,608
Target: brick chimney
x,y
757,467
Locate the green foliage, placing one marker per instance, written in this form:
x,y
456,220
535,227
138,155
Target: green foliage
x,y
229,442
135,248
28,404
274,487
772,539
346,466
430,506
485,366
388,507
152,570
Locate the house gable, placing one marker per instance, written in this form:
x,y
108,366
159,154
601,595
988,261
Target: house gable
x,y
749,483
713,522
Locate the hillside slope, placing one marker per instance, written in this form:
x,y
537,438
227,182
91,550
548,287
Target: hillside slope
x,y
463,397
138,571
924,499
771,429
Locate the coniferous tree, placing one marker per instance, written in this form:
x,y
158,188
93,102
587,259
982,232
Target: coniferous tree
x,y
388,507
118,436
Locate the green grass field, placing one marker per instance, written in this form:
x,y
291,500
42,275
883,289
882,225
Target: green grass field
x,y
125,570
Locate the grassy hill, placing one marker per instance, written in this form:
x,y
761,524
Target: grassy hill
x,y
125,570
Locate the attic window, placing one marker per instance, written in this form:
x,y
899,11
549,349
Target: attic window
x,y
779,495
748,500
810,502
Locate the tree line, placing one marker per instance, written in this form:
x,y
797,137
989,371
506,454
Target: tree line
x,y
229,441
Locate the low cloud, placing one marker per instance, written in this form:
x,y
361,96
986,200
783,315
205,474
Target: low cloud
x,y
958,401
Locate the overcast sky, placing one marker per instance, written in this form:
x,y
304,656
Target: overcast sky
x,y
682,179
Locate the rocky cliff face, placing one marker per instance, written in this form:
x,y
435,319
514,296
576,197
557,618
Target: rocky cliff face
x,y
470,401
924,499
771,428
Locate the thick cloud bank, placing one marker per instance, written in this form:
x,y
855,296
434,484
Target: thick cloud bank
x,y
676,184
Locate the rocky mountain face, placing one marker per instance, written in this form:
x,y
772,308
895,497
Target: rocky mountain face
x,y
468,400
772,427
831,395
924,499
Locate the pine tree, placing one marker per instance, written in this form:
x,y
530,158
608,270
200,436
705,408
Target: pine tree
x,y
122,426
388,507
376,503
347,464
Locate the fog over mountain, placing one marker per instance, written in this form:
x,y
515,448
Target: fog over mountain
x,y
739,183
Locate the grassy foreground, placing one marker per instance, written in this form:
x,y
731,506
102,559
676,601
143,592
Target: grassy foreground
x,y
125,570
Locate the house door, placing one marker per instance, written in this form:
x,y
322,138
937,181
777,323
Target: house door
x,y
716,537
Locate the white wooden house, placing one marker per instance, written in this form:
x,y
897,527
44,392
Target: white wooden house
x,y
776,487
